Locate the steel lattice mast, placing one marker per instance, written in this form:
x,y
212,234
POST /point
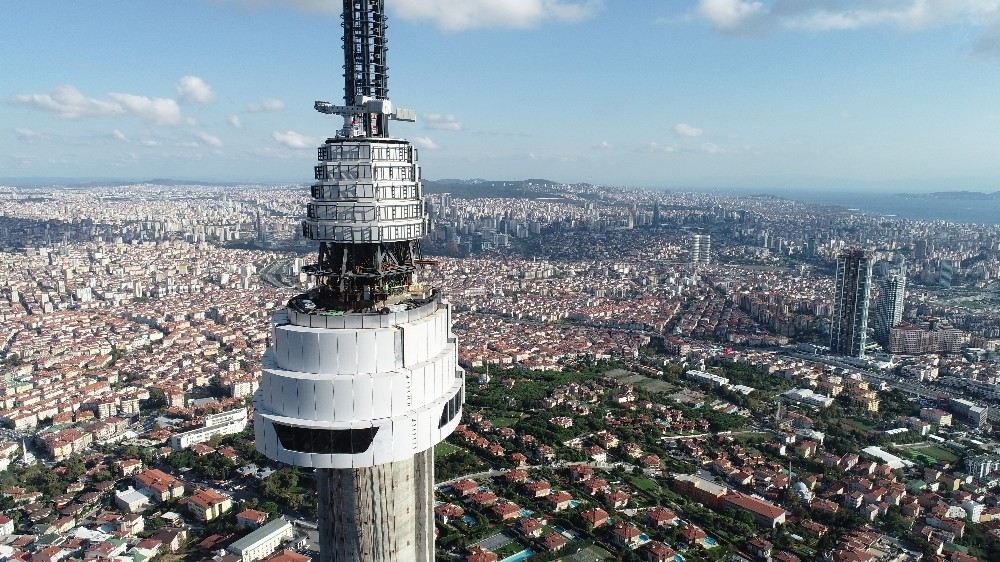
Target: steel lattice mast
x,y
367,220
363,378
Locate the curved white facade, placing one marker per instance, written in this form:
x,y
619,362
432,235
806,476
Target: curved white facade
x,y
367,191
380,391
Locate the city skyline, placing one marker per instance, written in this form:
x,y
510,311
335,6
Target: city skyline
x,y
731,94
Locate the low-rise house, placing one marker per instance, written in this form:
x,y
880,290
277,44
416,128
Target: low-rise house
x,y
626,535
251,518
559,500
506,511
448,512
594,517
480,554
207,505
530,528
159,485
656,551
554,542
661,517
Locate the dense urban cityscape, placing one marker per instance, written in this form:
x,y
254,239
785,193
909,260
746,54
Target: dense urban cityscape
x,y
372,366
650,375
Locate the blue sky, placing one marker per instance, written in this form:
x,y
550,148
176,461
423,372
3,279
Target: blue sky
x,y
729,94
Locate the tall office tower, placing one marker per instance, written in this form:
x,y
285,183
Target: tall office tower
x,y
947,273
889,305
701,248
848,334
363,379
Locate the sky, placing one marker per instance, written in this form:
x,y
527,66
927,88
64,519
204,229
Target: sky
x,y
894,95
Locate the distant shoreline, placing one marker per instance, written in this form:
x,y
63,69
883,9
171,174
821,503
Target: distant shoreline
x,y
954,195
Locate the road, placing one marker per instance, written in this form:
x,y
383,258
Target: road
x,y
495,473
909,387
270,273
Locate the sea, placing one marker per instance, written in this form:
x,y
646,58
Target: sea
x,y
907,207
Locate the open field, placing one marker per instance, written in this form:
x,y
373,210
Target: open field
x,y
445,449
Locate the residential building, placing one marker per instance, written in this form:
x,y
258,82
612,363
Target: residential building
x,y
263,542
849,329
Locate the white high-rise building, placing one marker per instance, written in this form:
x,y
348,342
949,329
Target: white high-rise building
x,y
701,248
890,302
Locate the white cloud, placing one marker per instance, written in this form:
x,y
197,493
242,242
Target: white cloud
x,y
657,147
829,15
149,142
605,145
119,136
686,130
28,135
70,103
210,140
270,104
235,122
461,15
426,143
442,122
162,111
193,89
907,14
187,144
729,15
712,148
291,139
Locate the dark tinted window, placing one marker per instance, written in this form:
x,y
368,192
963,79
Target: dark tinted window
x,y
451,409
325,441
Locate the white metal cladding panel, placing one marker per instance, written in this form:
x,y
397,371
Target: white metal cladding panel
x,y
301,459
418,390
366,458
383,447
264,390
414,343
289,346
397,346
343,400
440,377
382,384
310,350
324,400
347,353
386,345
401,395
341,461
404,437
329,350
426,426
307,399
429,384
363,397
280,349
367,351
439,337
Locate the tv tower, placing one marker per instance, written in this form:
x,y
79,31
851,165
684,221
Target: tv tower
x,y
363,379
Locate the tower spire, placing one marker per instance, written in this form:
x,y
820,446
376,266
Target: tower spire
x,y
367,109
